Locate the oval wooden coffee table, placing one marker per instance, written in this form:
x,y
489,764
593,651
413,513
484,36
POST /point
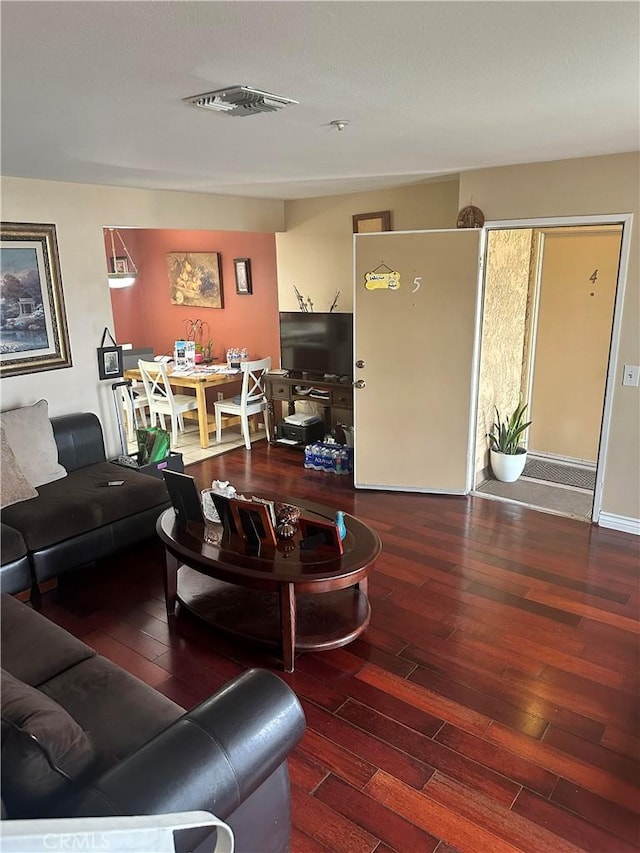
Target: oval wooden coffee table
x,y
296,599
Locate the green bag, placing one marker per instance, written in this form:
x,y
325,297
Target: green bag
x,y
153,445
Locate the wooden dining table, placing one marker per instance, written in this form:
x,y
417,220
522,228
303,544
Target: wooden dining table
x,y
199,381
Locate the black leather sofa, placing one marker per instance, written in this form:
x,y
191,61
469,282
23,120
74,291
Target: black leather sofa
x,y
72,522
115,746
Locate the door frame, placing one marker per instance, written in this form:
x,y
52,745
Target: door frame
x,y
625,220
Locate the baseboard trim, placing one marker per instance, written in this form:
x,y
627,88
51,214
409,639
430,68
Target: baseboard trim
x,y
620,522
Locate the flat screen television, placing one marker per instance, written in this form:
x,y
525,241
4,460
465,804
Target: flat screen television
x,y
317,343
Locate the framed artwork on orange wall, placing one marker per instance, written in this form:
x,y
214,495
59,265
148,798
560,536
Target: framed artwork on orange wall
x,y
242,267
195,279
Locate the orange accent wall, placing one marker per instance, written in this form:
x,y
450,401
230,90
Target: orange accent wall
x,y
144,316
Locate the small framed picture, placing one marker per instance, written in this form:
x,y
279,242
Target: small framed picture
x,y
120,266
372,223
110,362
242,267
253,522
319,533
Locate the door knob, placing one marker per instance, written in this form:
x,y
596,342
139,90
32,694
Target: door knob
x,y
359,383
360,363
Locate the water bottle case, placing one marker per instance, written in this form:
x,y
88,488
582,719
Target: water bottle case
x,y
332,458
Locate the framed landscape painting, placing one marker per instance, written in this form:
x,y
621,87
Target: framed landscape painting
x,y
33,323
195,279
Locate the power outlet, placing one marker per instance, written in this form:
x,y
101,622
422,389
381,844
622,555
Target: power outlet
x,y
220,395
631,375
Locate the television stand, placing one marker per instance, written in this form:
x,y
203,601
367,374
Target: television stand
x,y
334,396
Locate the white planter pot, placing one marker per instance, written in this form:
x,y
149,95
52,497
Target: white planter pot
x,y
507,467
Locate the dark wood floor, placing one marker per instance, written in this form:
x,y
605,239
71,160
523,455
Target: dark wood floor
x,y
491,705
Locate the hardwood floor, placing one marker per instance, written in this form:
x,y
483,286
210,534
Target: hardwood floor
x,y
490,706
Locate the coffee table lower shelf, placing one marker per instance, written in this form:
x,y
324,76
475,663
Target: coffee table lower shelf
x,y
323,621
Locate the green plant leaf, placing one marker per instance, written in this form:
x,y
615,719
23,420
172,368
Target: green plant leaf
x,y
505,434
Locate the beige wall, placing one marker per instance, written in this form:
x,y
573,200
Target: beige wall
x,y
315,253
572,341
503,331
589,186
79,213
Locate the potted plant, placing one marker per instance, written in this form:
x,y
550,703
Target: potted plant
x,y
508,457
204,352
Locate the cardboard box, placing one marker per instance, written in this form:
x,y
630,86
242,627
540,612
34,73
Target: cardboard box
x,y
173,462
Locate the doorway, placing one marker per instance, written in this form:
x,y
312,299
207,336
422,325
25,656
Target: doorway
x,y
548,315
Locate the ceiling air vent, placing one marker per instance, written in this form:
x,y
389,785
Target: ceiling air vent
x,y
240,101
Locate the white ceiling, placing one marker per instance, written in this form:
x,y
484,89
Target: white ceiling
x,y
92,91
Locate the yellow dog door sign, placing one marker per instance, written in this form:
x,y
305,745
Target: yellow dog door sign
x,y
382,280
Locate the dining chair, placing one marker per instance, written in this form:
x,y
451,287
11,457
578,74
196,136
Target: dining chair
x,y
251,401
161,399
134,402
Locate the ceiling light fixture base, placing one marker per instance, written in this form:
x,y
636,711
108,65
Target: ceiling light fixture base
x,y
123,270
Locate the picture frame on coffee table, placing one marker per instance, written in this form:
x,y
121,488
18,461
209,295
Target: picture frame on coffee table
x,y
253,521
319,533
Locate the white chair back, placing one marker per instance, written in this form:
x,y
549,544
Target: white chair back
x,y
156,381
252,399
162,400
135,401
254,373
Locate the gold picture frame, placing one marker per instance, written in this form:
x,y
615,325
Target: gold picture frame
x,y
372,223
33,323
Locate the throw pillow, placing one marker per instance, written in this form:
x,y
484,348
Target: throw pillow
x,y
30,436
14,487
43,750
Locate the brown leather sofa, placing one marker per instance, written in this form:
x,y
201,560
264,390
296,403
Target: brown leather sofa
x,y
72,523
81,737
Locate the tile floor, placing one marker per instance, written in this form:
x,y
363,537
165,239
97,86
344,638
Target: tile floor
x,y
189,442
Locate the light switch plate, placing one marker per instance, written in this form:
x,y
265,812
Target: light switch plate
x,y
631,375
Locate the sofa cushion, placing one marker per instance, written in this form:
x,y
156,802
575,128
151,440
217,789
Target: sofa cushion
x,y
33,648
96,693
12,544
15,486
30,434
78,504
43,750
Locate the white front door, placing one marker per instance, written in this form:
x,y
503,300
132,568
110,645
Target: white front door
x,y
417,342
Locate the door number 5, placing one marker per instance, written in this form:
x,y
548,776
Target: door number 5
x,y
417,280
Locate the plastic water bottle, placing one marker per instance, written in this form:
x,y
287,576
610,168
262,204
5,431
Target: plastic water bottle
x,y
244,355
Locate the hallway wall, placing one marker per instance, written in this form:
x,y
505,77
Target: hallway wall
x,y
503,331
573,339
585,186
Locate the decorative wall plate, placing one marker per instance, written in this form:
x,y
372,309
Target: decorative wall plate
x,y
470,217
